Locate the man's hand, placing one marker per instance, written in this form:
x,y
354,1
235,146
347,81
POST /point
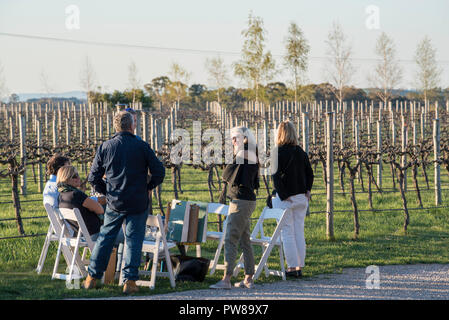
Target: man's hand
x,y
102,200
308,195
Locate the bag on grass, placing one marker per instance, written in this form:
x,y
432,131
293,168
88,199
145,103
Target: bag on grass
x,y
190,268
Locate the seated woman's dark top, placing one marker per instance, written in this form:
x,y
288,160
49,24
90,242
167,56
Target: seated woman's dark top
x,y
74,198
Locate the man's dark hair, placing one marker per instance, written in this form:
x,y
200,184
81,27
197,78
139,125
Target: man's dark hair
x,y
56,162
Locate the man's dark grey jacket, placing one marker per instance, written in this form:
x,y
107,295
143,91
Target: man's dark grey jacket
x,y
126,160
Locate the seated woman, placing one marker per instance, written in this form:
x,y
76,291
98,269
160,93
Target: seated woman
x,y
50,193
68,181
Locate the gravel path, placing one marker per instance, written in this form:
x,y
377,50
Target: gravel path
x,y
422,281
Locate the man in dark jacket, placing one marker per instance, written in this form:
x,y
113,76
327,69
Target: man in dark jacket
x,y
124,161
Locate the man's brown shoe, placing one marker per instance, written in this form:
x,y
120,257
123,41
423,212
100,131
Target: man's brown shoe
x,y
90,282
130,287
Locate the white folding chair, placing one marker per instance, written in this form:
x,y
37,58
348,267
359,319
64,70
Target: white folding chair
x,y
156,246
51,236
220,210
73,243
259,237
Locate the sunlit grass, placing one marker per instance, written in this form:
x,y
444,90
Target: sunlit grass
x,y
381,240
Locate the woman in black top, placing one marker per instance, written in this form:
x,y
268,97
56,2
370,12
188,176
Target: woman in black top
x,y
292,181
68,181
241,179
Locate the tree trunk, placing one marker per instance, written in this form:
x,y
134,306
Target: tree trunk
x,y
173,179
264,178
404,200
415,181
370,194
424,170
158,192
16,202
342,174
354,207
217,176
209,184
393,176
178,173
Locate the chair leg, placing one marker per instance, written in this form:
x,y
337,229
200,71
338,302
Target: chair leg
x,y
83,257
282,261
75,253
169,265
44,252
263,261
217,256
154,266
58,255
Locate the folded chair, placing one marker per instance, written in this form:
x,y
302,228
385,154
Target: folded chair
x,y
220,210
157,246
259,237
52,235
71,242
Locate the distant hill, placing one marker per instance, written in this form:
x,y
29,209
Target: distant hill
x,y
395,92
79,95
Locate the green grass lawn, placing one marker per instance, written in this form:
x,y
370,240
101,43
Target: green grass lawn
x,y
381,239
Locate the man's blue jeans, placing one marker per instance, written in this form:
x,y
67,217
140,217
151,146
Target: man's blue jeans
x,y
134,235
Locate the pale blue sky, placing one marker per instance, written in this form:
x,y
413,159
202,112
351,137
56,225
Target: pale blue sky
x,y
202,25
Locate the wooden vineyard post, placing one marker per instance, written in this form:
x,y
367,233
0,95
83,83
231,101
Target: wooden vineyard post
x,y
11,128
145,127
379,151
422,125
436,151
55,131
67,131
330,178
305,132
101,134
342,133
39,168
81,129
87,130
138,124
23,158
404,137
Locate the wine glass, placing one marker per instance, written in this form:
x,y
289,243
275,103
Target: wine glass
x,y
170,229
151,233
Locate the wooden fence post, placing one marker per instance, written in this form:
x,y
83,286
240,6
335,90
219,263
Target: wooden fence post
x,y
404,149
436,152
40,186
67,131
330,178
23,156
305,132
379,150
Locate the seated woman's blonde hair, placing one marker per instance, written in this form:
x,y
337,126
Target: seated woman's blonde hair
x,y
66,173
286,134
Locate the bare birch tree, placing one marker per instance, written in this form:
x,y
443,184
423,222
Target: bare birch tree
x,y
45,83
133,78
87,77
180,78
3,88
429,73
387,74
296,57
339,66
218,73
256,65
